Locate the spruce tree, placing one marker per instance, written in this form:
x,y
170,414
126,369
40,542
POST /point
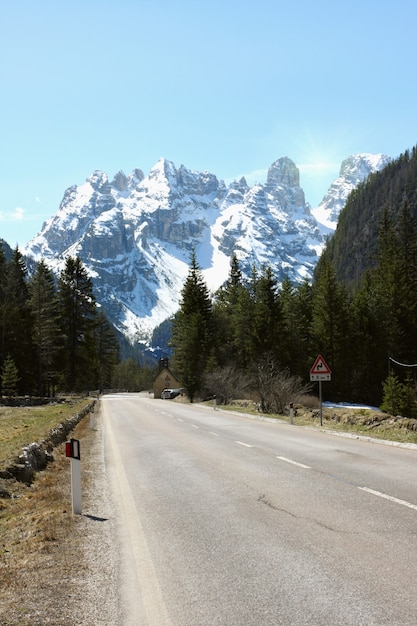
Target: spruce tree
x,y
267,328
406,276
304,315
331,324
3,307
9,377
229,310
192,331
107,351
46,331
297,311
16,320
78,317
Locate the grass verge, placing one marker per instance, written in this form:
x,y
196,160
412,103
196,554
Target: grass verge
x,y
365,422
20,426
38,555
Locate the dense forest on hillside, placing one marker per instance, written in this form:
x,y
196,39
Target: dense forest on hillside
x,y
254,333
353,247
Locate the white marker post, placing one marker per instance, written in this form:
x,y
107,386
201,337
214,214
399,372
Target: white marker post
x,y
72,450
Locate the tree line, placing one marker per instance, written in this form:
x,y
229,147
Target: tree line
x,y
52,332
256,332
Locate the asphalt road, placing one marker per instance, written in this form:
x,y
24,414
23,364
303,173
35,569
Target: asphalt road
x,y
227,520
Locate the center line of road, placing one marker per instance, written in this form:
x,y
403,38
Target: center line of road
x,y
390,498
283,458
247,445
195,426
214,434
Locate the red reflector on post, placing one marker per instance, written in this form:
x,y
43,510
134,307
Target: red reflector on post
x,y
68,448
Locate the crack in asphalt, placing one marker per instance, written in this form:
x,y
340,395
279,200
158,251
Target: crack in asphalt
x,y
262,498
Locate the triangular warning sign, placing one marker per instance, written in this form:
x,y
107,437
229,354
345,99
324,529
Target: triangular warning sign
x,y
320,366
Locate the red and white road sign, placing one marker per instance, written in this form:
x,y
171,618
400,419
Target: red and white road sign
x,y
320,370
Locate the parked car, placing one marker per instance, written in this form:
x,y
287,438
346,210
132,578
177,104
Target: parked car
x,y
170,394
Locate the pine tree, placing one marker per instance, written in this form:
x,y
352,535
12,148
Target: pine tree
x,y
297,311
16,320
395,395
267,325
9,377
3,307
406,277
192,331
78,317
46,331
386,283
130,376
304,315
331,323
231,307
367,348
107,351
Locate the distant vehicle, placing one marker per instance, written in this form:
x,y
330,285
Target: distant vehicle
x,y
170,394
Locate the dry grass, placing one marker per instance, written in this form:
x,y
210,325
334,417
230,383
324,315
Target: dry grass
x,y
21,426
365,422
38,552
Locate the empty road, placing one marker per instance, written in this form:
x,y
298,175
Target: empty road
x,y
232,521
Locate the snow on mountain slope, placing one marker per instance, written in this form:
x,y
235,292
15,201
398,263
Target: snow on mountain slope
x,y
353,171
135,234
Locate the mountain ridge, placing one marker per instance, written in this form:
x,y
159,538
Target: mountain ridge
x,y
135,233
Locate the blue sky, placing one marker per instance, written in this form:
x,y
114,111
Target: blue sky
x,y
223,86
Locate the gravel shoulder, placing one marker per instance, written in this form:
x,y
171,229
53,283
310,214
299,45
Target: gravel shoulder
x,y
64,570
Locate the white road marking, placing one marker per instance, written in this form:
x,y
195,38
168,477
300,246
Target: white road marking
x,y
151,593
247,445
195,426
283,458
179,419
390,498
214,434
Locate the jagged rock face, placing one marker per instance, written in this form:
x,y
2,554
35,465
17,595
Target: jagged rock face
x,y
135,234
283,172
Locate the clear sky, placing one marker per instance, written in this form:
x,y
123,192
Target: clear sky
x,y
223,85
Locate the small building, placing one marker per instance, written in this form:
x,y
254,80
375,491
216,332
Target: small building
x,y
165,379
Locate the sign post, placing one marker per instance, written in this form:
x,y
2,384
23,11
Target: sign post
x,y
72,450
320,371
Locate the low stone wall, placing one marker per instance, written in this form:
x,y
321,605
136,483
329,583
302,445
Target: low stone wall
x,y
36,456
27,400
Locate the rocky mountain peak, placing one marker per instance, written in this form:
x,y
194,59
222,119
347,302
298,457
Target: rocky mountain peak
x,y
283,172
359,166
354,170
163,169
98,180
120,181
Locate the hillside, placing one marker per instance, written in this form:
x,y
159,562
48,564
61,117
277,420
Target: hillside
x,y
351,249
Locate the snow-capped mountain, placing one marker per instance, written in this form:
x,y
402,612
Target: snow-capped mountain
x,y
135,234
353,171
